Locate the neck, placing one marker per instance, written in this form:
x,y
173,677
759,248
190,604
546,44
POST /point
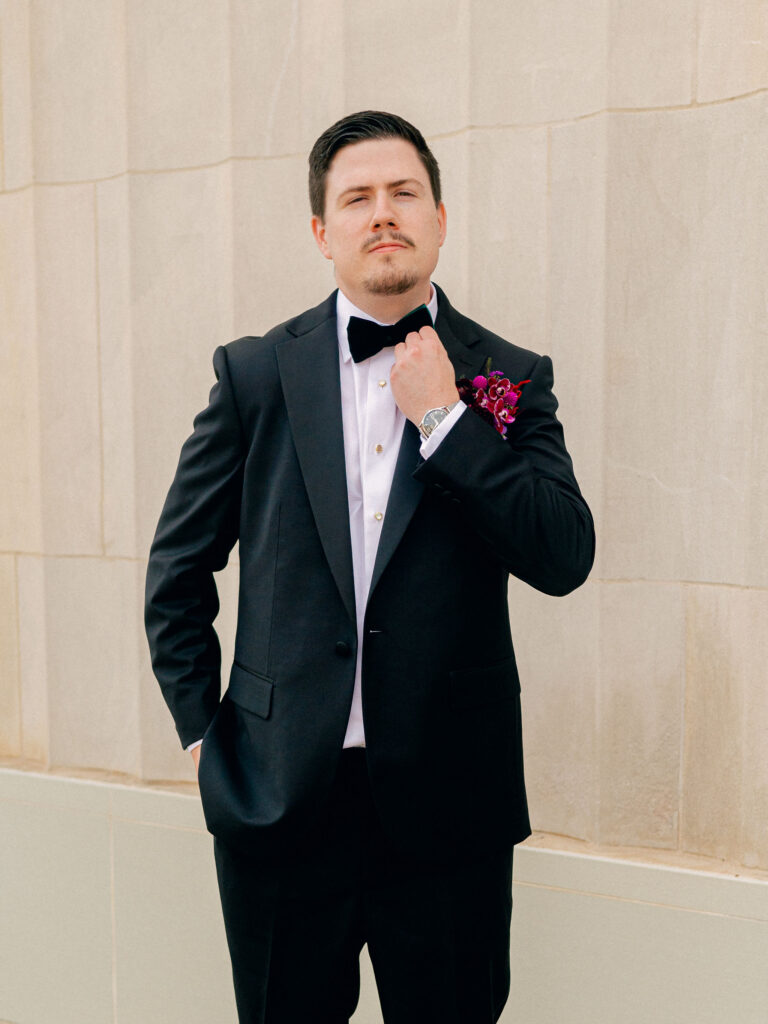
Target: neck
x,y
389,308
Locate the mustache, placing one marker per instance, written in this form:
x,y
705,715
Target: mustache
x,y
394,236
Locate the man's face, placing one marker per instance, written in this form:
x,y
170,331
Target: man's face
x,y
381,227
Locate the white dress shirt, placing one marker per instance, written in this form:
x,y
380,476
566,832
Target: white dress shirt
x,y
373,428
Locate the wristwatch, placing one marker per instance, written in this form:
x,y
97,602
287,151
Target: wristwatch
x,y
432,417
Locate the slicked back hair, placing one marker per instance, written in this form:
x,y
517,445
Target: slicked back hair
x,y
361,127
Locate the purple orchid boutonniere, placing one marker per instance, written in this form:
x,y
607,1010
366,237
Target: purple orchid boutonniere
x,y
492,396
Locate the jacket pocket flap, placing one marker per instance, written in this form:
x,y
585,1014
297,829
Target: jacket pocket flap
x,y
484,685
250,690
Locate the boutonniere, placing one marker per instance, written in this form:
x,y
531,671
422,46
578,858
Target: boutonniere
x,y
492,396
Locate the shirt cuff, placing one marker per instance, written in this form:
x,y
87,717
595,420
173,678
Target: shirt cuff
x,y
193,745
431,443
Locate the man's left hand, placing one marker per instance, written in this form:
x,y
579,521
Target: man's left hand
x,y
422,377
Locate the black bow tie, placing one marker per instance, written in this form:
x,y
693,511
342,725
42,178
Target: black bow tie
x,y
367,338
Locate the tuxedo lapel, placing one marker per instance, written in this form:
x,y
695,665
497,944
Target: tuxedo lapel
x,y
457,336
309,374
406,491
404,496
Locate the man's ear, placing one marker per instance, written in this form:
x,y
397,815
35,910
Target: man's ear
x,y
318,230
442,220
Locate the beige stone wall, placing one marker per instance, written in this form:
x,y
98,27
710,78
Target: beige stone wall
x,y
604,168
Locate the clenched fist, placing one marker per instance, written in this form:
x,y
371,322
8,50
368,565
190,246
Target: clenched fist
x,y
422,377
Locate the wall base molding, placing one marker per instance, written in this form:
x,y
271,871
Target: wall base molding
x,y
110,913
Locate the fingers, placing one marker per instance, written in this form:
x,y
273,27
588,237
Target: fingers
x,y
414,338
420,346
425,334
409,345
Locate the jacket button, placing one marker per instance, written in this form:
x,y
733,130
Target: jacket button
x,y
342,648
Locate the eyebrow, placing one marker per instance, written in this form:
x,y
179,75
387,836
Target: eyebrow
x,y
392,184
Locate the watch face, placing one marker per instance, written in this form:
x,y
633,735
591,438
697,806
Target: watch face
x,y
433,417
431,420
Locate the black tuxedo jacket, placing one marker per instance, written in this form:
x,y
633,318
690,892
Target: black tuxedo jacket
x,y
440,689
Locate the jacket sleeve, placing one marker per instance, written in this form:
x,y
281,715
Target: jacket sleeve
x,y
519,493
198,527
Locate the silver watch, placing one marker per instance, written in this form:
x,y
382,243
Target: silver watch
x,y
434,416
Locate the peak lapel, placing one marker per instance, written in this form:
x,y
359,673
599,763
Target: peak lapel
x,y
312,360
450,327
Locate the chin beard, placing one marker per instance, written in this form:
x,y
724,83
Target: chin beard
x,y
391,282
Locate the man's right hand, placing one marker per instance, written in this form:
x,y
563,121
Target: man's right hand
x,y
196,757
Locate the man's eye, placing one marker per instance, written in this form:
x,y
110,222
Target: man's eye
x,y
404,193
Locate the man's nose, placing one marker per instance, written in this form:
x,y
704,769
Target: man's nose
x,y
383,214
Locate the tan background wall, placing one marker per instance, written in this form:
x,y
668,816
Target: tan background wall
x,y
604,170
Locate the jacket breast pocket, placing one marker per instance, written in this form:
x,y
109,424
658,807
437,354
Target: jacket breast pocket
x,y
250,690
488,684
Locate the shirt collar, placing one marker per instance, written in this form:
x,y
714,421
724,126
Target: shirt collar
x,y
345,309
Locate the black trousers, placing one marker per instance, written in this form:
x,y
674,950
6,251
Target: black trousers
x,y
437,934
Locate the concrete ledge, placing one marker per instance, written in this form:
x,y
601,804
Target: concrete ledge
x,y
110,913
598,940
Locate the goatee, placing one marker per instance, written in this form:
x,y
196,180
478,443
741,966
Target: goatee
x,y
390,282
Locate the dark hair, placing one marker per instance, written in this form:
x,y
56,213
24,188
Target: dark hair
x,y
360,127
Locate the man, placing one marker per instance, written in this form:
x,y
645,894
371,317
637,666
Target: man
x,y
362,775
